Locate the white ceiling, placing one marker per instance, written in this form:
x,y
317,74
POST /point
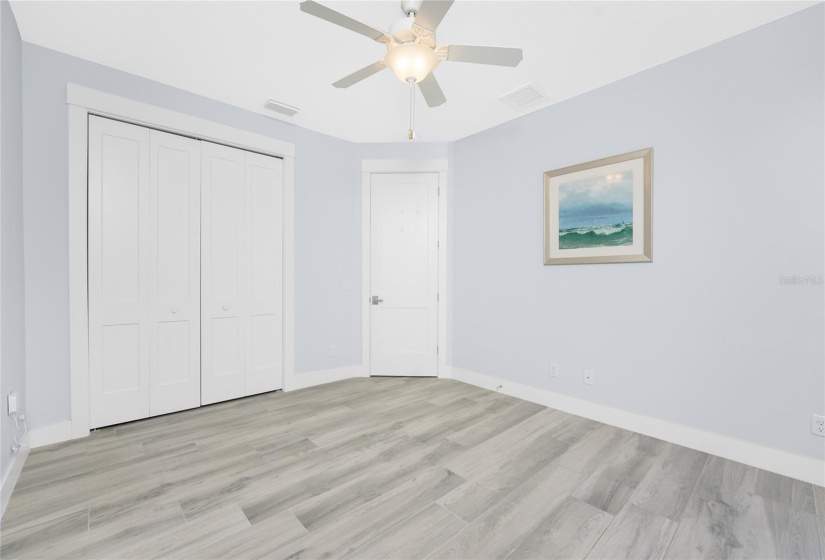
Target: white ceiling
x,y
243,53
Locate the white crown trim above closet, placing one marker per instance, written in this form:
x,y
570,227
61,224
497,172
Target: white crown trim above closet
x,y
135,112
82,102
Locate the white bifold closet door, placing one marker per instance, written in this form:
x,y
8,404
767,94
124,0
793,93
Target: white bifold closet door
x,y
174,273
144,293
241,273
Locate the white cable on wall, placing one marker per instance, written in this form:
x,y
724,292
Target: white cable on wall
x,y
18,440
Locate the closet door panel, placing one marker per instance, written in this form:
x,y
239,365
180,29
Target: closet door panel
x,y
118,272
174,368
175,273
224,266
226,190
264,181
120,360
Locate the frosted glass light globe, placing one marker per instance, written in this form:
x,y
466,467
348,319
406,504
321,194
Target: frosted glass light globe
x,y
411,62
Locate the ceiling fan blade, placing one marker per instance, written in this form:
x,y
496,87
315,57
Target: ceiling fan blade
x,y
359,75
499,56
319,10
431,13
431,91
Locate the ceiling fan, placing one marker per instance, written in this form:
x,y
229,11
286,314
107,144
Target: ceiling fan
x,y
412,52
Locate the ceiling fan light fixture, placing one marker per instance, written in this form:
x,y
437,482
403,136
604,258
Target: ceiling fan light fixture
x,y
411,62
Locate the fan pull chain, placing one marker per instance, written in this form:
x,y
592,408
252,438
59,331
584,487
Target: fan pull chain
x,y
411,134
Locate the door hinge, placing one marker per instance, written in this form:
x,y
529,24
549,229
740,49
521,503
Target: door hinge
x,y
437,297
436,348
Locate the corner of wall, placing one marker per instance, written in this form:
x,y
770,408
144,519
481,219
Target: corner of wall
x,y
319,377
12,288
10,479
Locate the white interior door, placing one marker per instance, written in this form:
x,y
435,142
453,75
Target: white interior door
x,y
404,274
263,359
119,322
174,279
241,273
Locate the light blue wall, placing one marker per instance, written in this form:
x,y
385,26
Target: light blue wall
x,y
705,335
12,354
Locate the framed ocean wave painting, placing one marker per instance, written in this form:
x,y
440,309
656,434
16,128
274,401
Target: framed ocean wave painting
x,y
600,211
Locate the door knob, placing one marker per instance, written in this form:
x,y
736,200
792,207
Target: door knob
x,y
226,308
375,300
174,310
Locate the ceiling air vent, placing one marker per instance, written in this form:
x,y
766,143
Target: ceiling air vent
x,y
527,94
282,108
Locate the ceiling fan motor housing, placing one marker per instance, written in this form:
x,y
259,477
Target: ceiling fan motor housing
x,y
410,6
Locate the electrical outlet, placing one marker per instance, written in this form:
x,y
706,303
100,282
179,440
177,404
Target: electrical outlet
x,y
554,370
818,425
12,403
333,350
588,377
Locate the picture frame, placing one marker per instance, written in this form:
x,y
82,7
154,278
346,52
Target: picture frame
x,y
600,211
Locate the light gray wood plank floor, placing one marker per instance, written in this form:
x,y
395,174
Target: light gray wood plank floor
x,y
400,468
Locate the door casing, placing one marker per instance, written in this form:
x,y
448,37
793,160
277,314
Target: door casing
x,y
378,166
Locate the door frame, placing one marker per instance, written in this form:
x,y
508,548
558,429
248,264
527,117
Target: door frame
x,y
82,102
370,167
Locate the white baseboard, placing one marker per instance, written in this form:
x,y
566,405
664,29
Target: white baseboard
x,y
62,431
796,466
319,377
11,478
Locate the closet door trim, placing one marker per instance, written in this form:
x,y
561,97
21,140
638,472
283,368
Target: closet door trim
x,y
83,102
